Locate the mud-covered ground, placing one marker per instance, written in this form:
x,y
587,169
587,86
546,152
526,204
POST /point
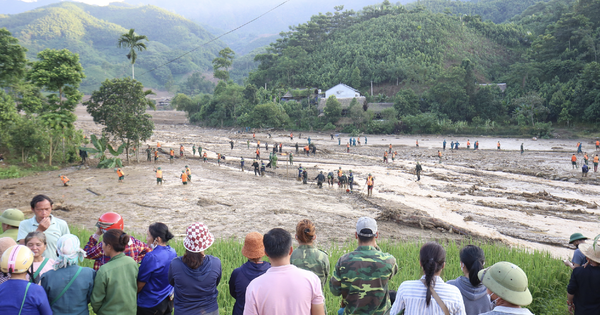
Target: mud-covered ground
x,y
535,200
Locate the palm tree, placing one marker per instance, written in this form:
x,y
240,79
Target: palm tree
x,y
133,42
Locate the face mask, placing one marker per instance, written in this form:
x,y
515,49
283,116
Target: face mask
x,y
153,245
493,301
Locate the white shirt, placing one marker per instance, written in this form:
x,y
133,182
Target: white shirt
x,y
411,299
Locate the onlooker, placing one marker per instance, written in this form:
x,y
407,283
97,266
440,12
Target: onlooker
x,y
11,218
473,292
361,277
415,296
195,276
19,296
284,288
154,290
507,287
69,287
135,249
584,285
43,221
36,242
254,250
307,256
5,243
578,258
115,287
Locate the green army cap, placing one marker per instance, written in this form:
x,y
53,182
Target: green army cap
x,y
159,167
508,281
576,237
12,217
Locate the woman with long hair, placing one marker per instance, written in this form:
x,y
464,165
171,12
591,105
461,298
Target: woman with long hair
x,y
307,256
429,295
472,260
195,276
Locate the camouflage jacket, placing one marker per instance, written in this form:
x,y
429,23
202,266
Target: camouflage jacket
x,y
309,257
361,278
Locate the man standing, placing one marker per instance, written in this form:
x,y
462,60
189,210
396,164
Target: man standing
x,y
120,174
171,155
280,147
242,163
498,145
320,179
204,157
351,180
257,153
418,170
159,176
183,177
199,150
595,163
11,219
440,156
361,277
370,182
231,143
181,150
149,154
579,147
444,145
193,150
284,288
188,172
255,165
291,159
155,155
296,147
574,161
522,150
43,221
304,176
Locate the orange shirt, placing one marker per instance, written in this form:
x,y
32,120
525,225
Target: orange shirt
x,y
391,145
468,143
158,173
158,144
155,153
370,181
596,159
384,153
181,148
257,152
597,143
204,154
183,177
188,171
440,154
585,157
120,173
64,179
573,158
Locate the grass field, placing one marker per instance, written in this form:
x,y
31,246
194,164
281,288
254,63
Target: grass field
x,y
548,277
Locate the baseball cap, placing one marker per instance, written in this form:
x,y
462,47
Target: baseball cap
x,y
366,223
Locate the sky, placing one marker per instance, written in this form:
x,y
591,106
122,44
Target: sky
x,y
95,2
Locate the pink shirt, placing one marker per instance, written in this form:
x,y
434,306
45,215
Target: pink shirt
x,y
49,266
283,290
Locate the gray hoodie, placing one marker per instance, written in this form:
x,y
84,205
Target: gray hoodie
x,y
475,298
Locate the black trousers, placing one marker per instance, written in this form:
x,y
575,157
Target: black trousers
x,y
163,308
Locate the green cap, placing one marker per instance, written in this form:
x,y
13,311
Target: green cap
x,y
115,169
12,217
186,166
576,237
508,281
159,167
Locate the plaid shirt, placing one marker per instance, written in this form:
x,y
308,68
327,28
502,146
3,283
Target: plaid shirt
x,y
135,249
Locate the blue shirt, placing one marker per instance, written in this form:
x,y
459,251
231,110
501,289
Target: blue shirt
x,y
579,258
239,281
195,289
12,293
76,298
154,271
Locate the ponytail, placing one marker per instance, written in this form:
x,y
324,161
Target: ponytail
x,y
305,231
161,230
432,257
117,239
473,258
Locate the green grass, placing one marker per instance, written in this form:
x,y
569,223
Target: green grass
x,y
548,277
15,171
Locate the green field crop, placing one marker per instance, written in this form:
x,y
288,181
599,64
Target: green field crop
x,y
548,277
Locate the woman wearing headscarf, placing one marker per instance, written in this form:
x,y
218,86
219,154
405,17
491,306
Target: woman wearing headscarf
x,y
69,286
429,295
154,290
36,241
195,276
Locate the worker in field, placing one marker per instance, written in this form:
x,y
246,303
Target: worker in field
x,y
417,143
307,150
188,172
300,170
120,174
418,170
248,144
155,155
456,144
339,175
348,147
344,181
255,166
308,139
181,150
522,150
304,176
258,154
579,147
280,147
584,170
585,158
231,144
498,145
219,159
158,145
149,154
452,145
476,145
574,161
365,140
339,141
394,156
258,144
370,183
171,155
468,144
390,148
330,178
65,180
444,145
262,168
320,179
199,150
296,147
184,179
291,136
159,176
193,150
266,146
274,161
291,158
351,180
242,163
595,163
440,156
204,157
253,135
385,157
597,144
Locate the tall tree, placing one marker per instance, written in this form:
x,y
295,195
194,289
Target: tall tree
x,y
222,63
333,109
12,58
120,105
133,42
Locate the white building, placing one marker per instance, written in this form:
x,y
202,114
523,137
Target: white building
x,y
342,91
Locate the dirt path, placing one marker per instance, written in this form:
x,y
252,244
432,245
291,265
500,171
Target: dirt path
x,y
533,200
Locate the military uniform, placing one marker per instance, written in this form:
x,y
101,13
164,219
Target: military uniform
x,y
361,278
309,257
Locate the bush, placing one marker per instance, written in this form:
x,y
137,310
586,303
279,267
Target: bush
x,y
422,123
328,127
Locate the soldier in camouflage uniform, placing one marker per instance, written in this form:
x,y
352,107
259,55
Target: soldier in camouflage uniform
x,y
307,256
361,277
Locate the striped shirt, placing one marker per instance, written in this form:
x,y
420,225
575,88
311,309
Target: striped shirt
x,y
411,299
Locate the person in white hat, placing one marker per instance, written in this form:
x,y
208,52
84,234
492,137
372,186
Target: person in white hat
x,y
507,286
584,285
195,276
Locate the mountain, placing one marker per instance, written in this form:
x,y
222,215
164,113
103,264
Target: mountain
x,y
92,32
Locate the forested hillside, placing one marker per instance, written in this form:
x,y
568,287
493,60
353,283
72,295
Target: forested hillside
x,y
92,32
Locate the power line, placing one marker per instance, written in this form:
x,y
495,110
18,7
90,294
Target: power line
x,y
214,39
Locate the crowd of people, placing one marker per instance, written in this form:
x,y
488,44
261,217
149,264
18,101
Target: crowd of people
x,y
41,273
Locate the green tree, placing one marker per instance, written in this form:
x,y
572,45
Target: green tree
x,y
120,105
531,106
133,42
12,59
406,102
268,115
222,63
333,109
26,136
196,84
8,114
355,78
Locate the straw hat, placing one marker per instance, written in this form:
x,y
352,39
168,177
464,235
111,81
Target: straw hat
x,y
198,238
508,281
253,246
590,252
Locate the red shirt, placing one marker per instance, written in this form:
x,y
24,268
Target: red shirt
x,y
135,249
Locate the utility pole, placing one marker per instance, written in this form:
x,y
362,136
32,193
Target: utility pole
x,y
371,87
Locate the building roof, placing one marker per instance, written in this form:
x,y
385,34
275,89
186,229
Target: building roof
x,y
502,86
344,85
